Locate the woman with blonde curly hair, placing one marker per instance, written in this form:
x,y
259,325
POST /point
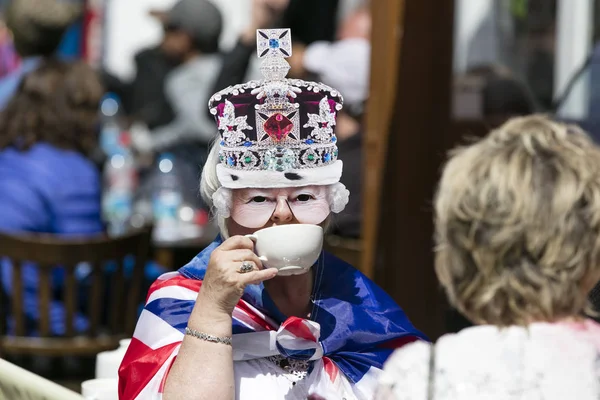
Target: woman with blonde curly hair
x,y
518,250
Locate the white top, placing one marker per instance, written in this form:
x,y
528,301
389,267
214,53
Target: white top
x,y
263,379
542,362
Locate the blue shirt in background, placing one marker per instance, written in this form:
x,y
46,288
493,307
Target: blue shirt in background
x,y
47,190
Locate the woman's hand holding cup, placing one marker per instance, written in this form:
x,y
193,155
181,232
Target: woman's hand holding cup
x,y
225,279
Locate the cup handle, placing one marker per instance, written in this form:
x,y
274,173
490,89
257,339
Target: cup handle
x,y
254,239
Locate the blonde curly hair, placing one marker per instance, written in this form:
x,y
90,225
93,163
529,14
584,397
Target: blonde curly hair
x,y
518,223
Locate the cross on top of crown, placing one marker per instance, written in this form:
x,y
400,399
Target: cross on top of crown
x,y
274,46
274,43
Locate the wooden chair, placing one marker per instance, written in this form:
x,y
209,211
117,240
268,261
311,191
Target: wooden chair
x,y
122,297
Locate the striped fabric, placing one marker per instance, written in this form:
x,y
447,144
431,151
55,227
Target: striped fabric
x,y
354,327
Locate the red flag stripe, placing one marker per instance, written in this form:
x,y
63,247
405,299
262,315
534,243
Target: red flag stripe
x,y
298,328
243,306
330,368
139,366
178,280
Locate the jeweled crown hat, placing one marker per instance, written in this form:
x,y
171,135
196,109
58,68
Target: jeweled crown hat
x,y
277,132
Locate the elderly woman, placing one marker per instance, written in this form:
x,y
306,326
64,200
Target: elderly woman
x,y
326,332
518,250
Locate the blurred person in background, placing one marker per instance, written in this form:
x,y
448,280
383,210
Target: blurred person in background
x,y
37,27
505,98
191,42
345,65
517,217
192,33
144,99
309,21
500,95
47,183
236,63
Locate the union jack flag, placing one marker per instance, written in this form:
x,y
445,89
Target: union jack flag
x,y
353,329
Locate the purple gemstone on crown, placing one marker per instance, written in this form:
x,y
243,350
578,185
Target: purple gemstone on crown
x,y
278,126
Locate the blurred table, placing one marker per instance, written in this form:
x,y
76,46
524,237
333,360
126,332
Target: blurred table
x,y
175,254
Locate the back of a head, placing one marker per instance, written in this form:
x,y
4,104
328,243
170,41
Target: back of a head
x,y
504,96
57,103
39,25
518,222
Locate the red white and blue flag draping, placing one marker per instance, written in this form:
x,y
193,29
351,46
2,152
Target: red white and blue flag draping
x,y
353,329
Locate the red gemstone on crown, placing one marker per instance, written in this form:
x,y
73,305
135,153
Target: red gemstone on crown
x,y
230,128
278,126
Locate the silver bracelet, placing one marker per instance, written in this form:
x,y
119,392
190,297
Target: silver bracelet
x,y
209,338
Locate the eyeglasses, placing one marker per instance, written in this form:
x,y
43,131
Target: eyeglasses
x,y
253,208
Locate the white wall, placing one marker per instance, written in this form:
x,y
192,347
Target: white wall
x,y
471,18
573,45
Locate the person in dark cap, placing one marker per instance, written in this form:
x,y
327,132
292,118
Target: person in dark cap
x,y
192,33
345,64
191,26
37,27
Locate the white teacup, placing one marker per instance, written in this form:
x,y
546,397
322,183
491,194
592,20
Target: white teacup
x,y
292,249
100,389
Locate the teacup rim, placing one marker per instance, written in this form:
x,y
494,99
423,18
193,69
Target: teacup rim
x,y
288,226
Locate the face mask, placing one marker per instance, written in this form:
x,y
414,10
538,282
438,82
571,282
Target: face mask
x,y
253,208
